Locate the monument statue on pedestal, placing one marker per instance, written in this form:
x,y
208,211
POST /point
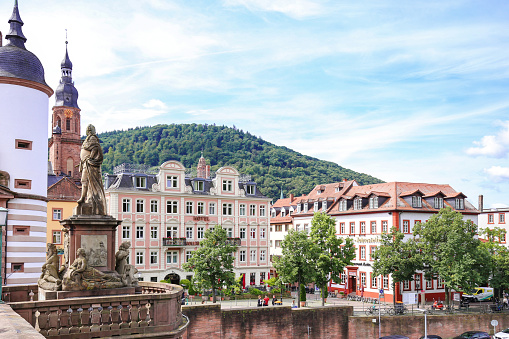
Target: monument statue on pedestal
x,y
50,279
93,200
125,270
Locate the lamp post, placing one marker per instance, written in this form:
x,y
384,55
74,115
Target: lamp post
x,y
3,222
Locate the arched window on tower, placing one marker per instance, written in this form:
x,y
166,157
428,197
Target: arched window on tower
x,y
76,126
59,122
70,164
68,124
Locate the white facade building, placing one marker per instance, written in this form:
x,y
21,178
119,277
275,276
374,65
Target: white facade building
x,y
24,97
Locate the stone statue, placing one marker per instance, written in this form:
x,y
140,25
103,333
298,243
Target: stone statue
x,y
65,264
50,279
92,192
80,276
125,270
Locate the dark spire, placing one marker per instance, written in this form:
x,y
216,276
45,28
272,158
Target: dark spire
x,y
66,94
15,35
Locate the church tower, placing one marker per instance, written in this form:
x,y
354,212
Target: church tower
x,y
65,142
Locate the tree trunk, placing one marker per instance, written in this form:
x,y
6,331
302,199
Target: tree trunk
x,y
298,294
324,293
213,294
446,296
394,293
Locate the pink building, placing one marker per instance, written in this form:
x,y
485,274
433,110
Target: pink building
x,y
165,215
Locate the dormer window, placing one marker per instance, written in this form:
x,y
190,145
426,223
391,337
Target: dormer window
x,y
250,189
141,182
373,202
273,213
342,205
357,204
459,203
337,189
319,192
171,181
316,206
283,212
305,207
227,186
198,185
416,201
298,208
324,205
439,202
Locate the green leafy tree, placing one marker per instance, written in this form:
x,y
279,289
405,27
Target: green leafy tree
x,y
397,257
451,251
296,262
498,258
333,255
212,262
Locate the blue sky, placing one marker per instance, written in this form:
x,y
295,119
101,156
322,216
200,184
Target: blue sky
x,y
402,90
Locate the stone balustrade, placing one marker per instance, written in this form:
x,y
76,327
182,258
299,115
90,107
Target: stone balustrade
x,y
157,310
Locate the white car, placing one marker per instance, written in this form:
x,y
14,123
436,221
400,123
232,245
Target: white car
x,y
502,334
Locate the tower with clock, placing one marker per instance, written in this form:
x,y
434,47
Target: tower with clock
x,y
65,142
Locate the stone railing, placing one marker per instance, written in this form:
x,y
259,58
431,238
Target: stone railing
x,y
156,311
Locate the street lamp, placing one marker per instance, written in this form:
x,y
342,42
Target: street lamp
x,y
3,222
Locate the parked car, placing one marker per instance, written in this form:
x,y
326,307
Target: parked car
x,y
431,336
473,335
479,294
502,334
396,336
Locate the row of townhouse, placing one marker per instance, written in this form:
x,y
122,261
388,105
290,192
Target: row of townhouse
x,y
363,213
165,215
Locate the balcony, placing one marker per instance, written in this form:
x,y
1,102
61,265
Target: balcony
x,y
174,242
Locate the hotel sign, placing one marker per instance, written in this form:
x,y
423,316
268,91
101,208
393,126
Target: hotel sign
x,y
201,219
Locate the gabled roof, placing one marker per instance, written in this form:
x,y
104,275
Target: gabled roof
x,y
413,192
63,189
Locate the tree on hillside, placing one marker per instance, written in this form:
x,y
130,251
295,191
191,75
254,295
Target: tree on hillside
x,y
498,258
333,254
212,262
451,251
397,257
296,262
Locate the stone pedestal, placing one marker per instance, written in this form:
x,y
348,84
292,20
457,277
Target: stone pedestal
x,y
96,235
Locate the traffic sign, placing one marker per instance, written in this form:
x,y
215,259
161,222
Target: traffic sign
x,y
381,291
494,322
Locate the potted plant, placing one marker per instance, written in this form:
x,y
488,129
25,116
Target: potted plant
x,y
342,294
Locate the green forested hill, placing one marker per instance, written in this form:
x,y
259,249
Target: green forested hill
x,y
271,167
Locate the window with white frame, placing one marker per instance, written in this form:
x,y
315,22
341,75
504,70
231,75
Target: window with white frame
x,y
262,210
363,279
386,282
373,202
373,227
406,226
57,237
459,203
501,218
253,256
357,204
57,214
324,205
253,233
406,285
172,257
229,232
262,255
277,243
440,283
490,218
171,181
416,201
417,282
342,205
363,227
198,185
273,213
171,231
126,205
153,232
252,210
200,208
153,257
201,232
352,228
154,204
141,182
315,206
227,186
384,226
439,202
140,205
189,233
283,212
343,278
262,233
305,207
342,227
374,281
139,232
189,207
250,189
242,209
429,284
172,207
212,208
139,258
189,254
227,209
298,208
363,253
242,233
242,256
126,232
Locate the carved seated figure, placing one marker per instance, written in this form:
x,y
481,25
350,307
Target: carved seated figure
x,y
80,276
50,280
125,270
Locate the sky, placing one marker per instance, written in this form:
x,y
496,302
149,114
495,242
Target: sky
x,y
402,90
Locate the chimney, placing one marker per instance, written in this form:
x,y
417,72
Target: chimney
x,y
344,179
481,202
291,197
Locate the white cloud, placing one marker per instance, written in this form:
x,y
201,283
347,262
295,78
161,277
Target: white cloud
x,y
498,173
496,146
297,9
